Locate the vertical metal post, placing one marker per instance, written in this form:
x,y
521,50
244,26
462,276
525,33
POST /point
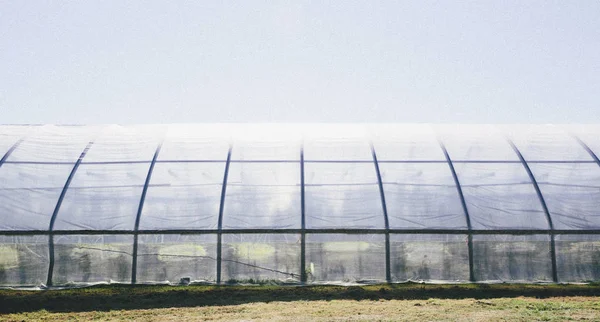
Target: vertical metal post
x,y
56,211
221,209
465,209
303,277
388,267
139,215
544,206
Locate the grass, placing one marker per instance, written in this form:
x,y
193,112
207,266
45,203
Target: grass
x,y
376,302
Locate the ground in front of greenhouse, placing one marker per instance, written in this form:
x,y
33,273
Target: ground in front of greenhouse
x,y
381,302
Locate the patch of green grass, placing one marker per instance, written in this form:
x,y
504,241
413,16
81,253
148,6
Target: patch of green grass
x,y
256,251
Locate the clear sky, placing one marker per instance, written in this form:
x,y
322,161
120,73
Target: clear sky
x,y
299,61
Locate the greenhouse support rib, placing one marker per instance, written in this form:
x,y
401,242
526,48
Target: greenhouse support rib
x,y
221,209
57,209
388,272
10,151
465,209
587,148
544,207
314,161
303,277
139,215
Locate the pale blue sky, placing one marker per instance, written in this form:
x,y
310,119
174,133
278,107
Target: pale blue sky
x,y
299,61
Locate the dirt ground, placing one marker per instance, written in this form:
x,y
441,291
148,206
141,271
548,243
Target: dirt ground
x,y
367,303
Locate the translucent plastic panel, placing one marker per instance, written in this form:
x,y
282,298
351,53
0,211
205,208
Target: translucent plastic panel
x,y
89,259
195,142
546,142
50,143
475,142
571,192
263,132
28,194
577,258
429,257
421,195
256,258
335,142
23,260
163,258
404,142
103,197
337,150
183,196
500,196
11,134
266,142
342,195
281,150
126,143
512,258
263,195
345,258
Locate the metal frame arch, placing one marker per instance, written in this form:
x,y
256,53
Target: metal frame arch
x,y
544,207
587,148
139,214
221,210
465,209
303,275
388,272
56,211
24,137
551,232
10,151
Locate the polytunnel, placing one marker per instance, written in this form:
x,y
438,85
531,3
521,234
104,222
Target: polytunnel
x,y
298,203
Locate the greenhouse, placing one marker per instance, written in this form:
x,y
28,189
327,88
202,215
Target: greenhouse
x,y
298,203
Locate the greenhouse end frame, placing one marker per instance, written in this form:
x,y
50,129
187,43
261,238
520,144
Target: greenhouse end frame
x,y
329,196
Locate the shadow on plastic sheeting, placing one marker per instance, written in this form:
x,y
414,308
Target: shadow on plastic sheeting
x,y
123,297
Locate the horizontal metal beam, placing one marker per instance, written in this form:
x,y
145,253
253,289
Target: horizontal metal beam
x,y
308,231
385,183
71,163
307,161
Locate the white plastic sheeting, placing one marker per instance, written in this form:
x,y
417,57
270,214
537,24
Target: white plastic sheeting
x,y
183,195
500,196
52,143
29,194
262,195
299,203
572,192
102,197
421,195
342,195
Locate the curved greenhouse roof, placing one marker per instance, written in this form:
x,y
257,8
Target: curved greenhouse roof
x,y
299,202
